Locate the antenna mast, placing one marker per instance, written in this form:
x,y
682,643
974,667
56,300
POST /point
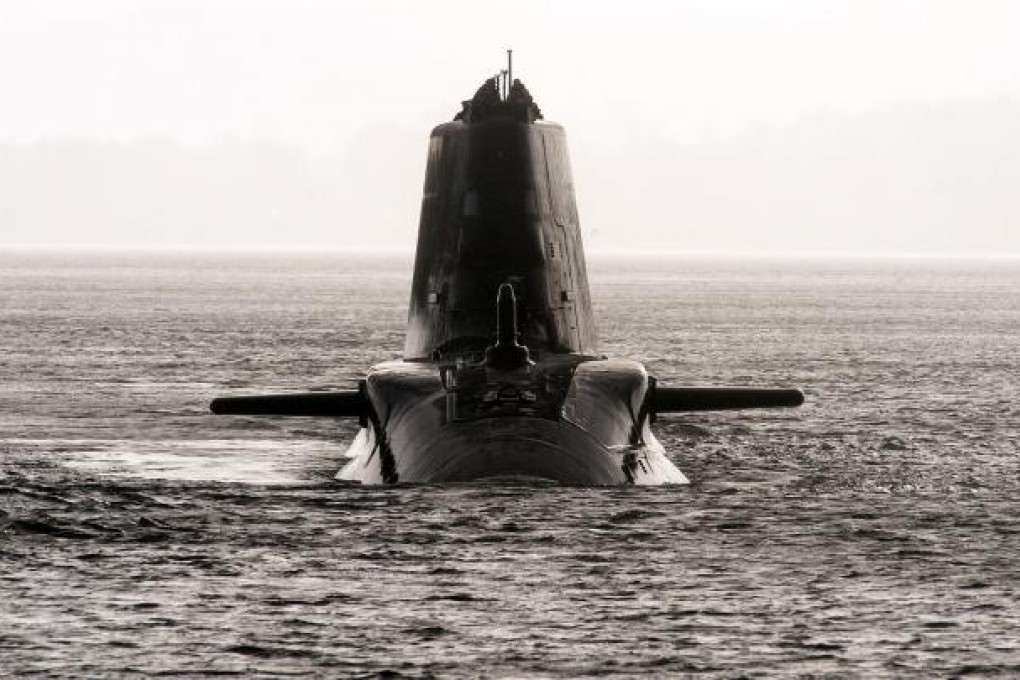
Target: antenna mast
x,y
504,78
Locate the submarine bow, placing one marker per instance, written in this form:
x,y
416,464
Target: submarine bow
x,y
500,377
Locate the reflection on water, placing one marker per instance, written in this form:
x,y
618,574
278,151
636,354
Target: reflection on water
x,y
240,461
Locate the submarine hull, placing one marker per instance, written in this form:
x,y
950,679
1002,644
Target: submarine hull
x,y
519,390
564,420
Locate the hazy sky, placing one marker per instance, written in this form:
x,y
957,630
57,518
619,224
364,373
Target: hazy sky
x,y
783,126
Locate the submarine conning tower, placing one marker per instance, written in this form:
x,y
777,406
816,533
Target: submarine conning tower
x,y
498,207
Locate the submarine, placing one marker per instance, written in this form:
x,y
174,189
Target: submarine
x,y
501,378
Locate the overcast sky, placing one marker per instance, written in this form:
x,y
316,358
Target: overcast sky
x,y
722,126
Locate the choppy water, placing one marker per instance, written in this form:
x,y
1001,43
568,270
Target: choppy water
x,y
874,532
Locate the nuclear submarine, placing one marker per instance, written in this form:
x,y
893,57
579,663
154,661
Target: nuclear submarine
x,y
501,378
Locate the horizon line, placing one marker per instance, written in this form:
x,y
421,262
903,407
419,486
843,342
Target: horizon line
x,y
597,253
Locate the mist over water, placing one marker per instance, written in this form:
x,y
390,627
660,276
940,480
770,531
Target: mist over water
x,y
872,532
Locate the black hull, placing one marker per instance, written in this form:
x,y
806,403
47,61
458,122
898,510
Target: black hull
x,y
583,430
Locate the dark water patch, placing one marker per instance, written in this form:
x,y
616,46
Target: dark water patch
x,y
146,606
820,647
457,597
445,571
880,535
911,553
124,644
986,670
49,527
269,651
153,537
149,522
305,623
939,624
321,601
589,558
427,632
633,515
688,430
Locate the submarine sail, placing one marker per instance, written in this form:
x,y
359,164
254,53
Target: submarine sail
x,y
499,207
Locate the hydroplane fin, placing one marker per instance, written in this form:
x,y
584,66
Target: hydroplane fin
x,y
687,399
343,404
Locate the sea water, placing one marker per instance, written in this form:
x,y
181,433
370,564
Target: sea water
x,y
872,532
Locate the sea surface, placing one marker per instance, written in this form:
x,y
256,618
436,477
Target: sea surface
x,y
874,532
